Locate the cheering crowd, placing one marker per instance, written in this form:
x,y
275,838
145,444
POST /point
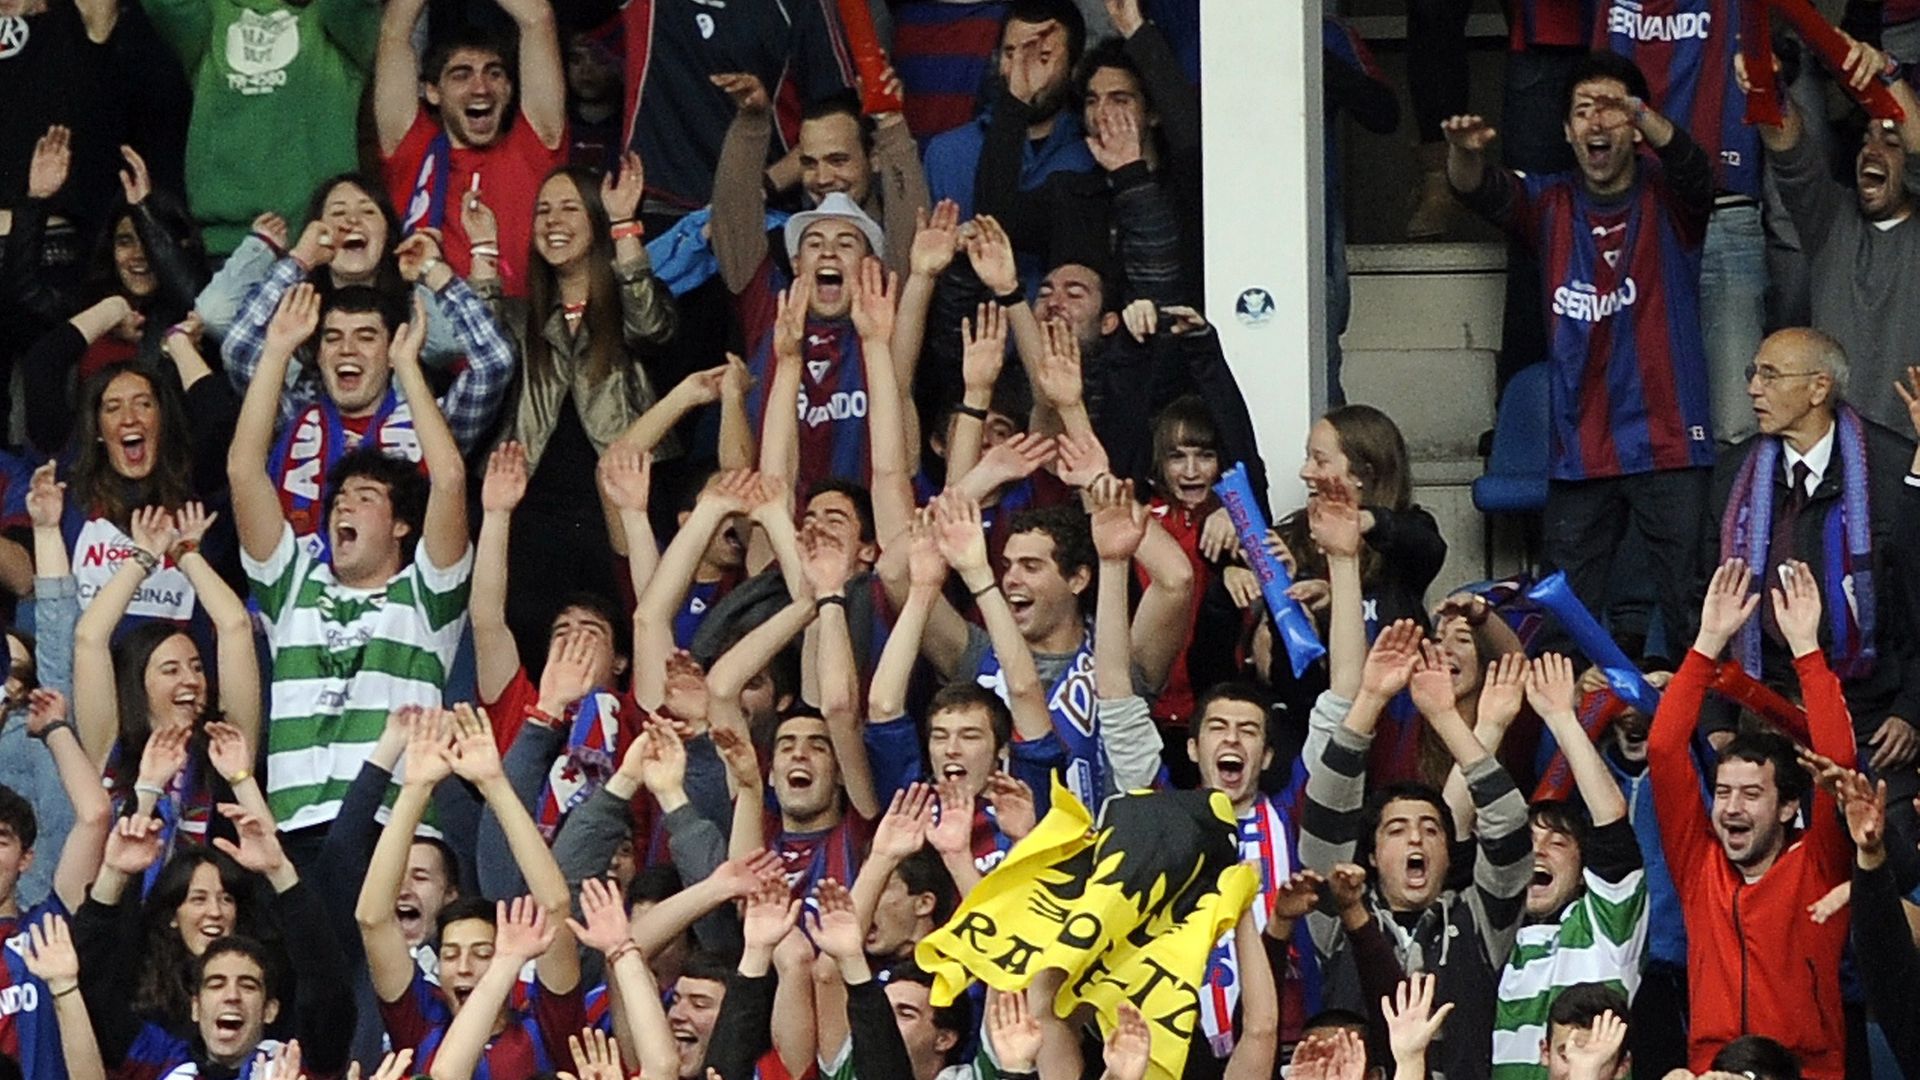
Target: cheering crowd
x,y
554,538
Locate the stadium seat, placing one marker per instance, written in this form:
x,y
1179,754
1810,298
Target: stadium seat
x,y
1516,478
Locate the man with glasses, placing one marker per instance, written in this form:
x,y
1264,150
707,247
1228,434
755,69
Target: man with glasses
x,y
1818,485
1860,237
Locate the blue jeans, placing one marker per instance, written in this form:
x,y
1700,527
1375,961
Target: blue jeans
x,y
1733,314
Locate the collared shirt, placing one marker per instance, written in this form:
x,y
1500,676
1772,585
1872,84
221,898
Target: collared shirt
x,y
1816,459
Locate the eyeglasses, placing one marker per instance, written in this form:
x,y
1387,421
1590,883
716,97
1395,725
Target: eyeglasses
x,y
1768,376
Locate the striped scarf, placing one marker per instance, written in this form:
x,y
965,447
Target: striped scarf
x,y
1847,580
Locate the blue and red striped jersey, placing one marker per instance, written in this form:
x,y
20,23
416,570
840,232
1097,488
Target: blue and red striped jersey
x,y
1622,295
29,1033
1549,24
1686,50
944,53
833,385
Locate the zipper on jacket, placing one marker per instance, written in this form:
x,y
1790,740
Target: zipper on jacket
x,y
1741,934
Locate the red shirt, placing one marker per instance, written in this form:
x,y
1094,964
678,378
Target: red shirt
x,y
1755,963
508,713
534,1040
510,171
1176,699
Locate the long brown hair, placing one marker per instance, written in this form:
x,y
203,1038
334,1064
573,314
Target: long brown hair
x,y
606,336
1376,454
105,493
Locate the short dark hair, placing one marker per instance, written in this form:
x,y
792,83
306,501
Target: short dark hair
x,y
1759,1057
1561,816
1235,690
1410,791
924,874
967,694
16,816
1581,1004
1108,52
449,858
1066,525
956,1017
1064,12
708,965
842,103
462,909
600,607
365,300
857,494
239,945
406,489
469,36
1335,1019
1760,746
1604,65
652,884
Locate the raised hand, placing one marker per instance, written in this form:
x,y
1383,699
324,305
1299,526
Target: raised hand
x,y
952,831
771,912
227,750
409,338
596,1055
1347,885
1115,141
743,875
736,753
1391,661
746,90
1550,686
1014,459
259,847
1014,809
1057,377
392,1067
478,219
790,320
1503,690
936,236
1865,805
1119,522
1126,16
192,522
506,480
1796,606
1592,1053
603,924
1909,392
1432,683
522,931
164,756
875,295
1333,520
46,497
983,341
1412,1022
50,955
133,846
429,748
135,183
828,564
475,756
837,930
621,196
294,320
686,699
903,828
1295,897
281,1063
990,251
1081,460
316,245
412,254
153,531
1130,1047
45,708
963,543
1013,1031
1469,133
926,567
567,678
1731,601
52,161
272,228
663,763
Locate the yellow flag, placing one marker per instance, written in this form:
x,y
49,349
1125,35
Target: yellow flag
x,y
1129,910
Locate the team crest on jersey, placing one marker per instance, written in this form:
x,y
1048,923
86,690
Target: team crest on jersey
x,y
13,36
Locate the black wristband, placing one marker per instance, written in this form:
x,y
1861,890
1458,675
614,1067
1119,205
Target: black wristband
x,y
984,589
46,733
825,600
963,409
1014,298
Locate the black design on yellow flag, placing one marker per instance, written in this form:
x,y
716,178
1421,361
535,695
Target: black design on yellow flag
x,y
1130,911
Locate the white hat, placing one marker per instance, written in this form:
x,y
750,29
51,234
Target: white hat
x,y
836,205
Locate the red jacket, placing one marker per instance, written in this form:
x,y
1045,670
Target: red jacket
x,y
1756,964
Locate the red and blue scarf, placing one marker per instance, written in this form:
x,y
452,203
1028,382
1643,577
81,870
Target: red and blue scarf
x,y
1847,578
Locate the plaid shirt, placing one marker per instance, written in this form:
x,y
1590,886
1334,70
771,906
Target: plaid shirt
x,y
469,404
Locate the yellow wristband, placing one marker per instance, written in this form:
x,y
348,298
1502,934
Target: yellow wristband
x,y
243,774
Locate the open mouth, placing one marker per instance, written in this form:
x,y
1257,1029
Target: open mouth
x,y
1416,870
1022,605
406,913
229,1023
461,994
134,446
953,770
799,779
1738,832
559,241
344,533
1542,877
685,1036
1872,177
354,240
1598,148
480,117
828,285
348,375
1232,769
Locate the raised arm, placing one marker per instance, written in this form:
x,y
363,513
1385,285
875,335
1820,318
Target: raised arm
x,y
829,564
427,763
523,931
444,535
892,673
666,590
396,74
241,699
1551,691
893,426
96,705
476,759
543,78
50,957
80,779
256,506
963,543
936,237
739,184
603,926
496,656
749,657
780,430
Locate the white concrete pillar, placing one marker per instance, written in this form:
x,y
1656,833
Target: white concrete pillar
x,y
1260,90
